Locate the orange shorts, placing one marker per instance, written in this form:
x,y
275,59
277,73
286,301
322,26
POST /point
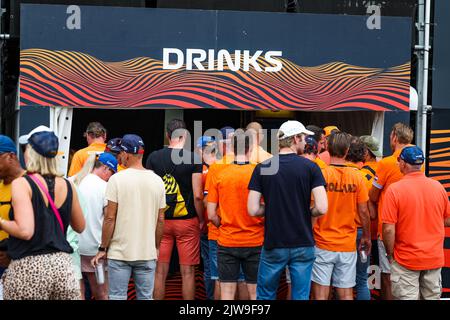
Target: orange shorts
x,y
186,233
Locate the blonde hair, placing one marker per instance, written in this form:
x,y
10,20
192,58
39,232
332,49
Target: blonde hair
x,y
403,133
40,164
286,142
289,141
85,170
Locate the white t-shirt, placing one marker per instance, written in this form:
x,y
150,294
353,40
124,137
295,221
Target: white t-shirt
x,y
93,190
139,195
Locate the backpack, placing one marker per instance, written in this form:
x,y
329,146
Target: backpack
x,y
176,206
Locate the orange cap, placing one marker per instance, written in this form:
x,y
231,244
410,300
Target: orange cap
x,y
328,130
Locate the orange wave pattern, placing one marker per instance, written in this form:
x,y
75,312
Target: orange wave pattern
x,y
439,169
75,79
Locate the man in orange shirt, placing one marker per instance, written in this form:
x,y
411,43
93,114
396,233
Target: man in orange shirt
x,y
335,233
258,154
226,157
415,211
388,173
95,136
328,131
240,235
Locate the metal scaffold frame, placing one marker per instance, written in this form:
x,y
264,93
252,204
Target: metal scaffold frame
x,y
422,50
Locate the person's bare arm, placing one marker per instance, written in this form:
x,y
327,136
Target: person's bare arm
x,y
212,214
364,217
159,228
22,226
254,206
109,224
320,201
77,221
374,194
389,239
197,188
373,210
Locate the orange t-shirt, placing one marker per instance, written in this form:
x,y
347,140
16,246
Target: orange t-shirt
x,y
388,172
370,169
213,231
80,157
320,163
229,188
417,205
336,230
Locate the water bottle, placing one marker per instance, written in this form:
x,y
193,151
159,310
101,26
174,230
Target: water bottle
x,y
363,255
100,273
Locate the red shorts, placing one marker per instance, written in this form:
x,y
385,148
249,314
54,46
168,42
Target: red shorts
x,y
186,233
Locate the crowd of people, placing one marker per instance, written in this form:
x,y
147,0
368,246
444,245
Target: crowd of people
x,y
310,210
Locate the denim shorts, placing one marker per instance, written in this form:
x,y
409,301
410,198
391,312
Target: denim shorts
x,y
119,273
213,260
230,261
299,261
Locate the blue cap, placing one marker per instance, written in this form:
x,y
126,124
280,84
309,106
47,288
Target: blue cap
x,y
132,143
7,145
108,160
226,132
311,145
45,143
113,145
412,155
203,141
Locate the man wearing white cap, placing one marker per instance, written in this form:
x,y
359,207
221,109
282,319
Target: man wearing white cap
x,y
288,238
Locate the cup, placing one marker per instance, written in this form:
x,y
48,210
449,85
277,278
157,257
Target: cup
x,y
100,273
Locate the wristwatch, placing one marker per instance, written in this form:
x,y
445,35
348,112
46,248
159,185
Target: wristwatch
x,y
102,249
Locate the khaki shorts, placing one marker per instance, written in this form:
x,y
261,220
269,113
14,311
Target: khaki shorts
x,y
414,285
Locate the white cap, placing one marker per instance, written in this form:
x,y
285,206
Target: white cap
x,y
24,139
291,128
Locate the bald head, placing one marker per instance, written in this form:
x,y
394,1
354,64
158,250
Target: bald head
x,y
255,126
255,129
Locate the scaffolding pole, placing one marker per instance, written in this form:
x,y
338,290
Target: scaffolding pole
x,y
423,51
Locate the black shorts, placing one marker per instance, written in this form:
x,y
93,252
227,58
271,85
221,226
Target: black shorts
x,y
230,259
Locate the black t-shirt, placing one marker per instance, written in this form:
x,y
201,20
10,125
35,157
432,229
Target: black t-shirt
x,y
161,163
287,197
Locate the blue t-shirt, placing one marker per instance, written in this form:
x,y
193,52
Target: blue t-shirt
x,y
287,197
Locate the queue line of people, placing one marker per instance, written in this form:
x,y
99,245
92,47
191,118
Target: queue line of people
x,y
224,204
